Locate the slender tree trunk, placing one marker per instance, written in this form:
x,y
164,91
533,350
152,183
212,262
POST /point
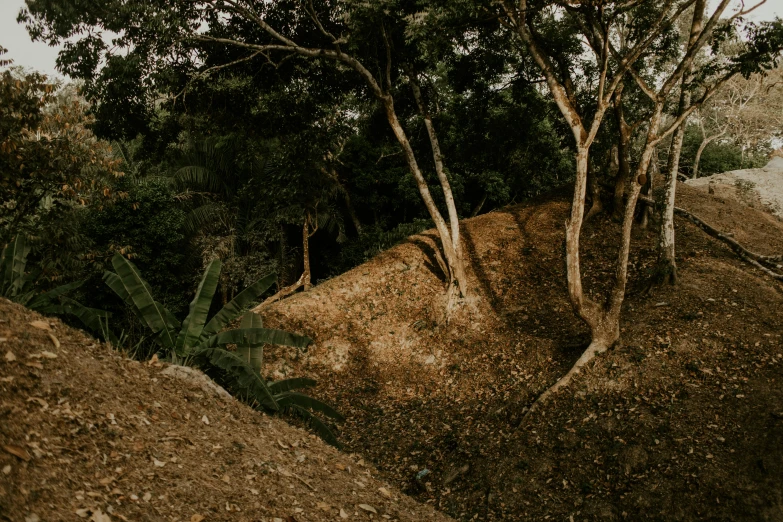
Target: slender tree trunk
x,y
653,172
458,266
352,213
667,264
455,264
306,281
702,146
623,154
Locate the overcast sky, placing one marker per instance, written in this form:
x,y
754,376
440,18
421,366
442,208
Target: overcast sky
x,y
41,57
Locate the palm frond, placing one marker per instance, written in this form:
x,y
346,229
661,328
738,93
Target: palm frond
x,y
207,218
199,178
252,353
12,265
153,313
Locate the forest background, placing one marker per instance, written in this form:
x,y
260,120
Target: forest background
x,y
289,165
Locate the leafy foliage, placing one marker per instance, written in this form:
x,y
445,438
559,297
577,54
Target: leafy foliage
x,y
17,285
49,159
198,340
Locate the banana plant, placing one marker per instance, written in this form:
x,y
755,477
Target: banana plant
x,y
16,285
199,340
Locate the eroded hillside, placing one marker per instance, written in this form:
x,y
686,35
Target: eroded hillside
x,y
682,420
86,432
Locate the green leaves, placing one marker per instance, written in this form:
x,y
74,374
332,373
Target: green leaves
x,y
12,265
138,291
236,306
193,324
203,343
252,353
245,377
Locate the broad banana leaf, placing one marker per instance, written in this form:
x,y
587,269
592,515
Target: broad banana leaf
x,y
236,306
287,399
317,424
256,336
290,384
199,308
245,377
12,266
92,318
154,314
252,354
52,295
114,282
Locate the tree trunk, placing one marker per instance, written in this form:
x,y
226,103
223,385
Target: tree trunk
x,y
352,212
653,172
623,154
306,281
667,265
702,146
456,267
596,206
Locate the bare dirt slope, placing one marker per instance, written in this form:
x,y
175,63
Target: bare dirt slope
x,y
683,420
86,432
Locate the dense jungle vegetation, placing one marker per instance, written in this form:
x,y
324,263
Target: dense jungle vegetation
x,y
259,134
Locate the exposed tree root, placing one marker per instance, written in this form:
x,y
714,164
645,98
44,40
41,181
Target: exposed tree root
x,y
595,348
282,294
752,258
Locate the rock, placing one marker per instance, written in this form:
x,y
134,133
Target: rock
x,y
760,188
197,378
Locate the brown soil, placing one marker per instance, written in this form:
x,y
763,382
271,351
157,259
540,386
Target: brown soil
x,y
86,432
683,420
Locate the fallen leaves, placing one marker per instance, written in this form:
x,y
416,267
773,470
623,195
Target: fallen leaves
x,y
55,341
197,518
205,420
41,325
368,508
43,355
97,514
9,356
39,401
17,451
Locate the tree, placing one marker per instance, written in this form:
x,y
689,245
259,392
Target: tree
x,y
49,158
367,39
598,23
747,112
758,54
